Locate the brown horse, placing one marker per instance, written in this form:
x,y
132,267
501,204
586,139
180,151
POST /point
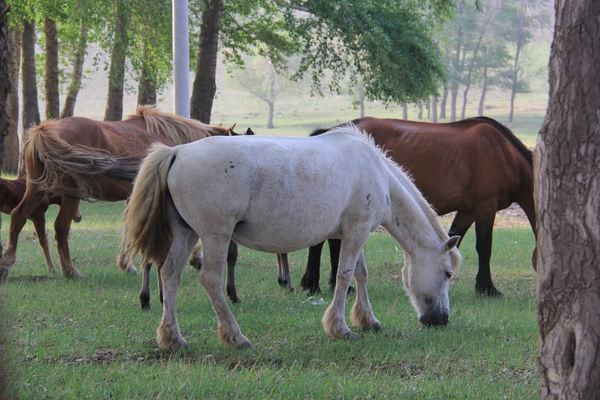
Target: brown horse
x,y
78,158
11,193
474,167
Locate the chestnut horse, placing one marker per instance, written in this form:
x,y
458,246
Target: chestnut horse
x,y
11,193
474,167
79,158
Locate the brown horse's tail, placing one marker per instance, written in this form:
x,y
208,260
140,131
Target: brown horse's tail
x,y
147,230
57,166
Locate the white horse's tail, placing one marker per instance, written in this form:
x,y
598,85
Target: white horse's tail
x,y
147,229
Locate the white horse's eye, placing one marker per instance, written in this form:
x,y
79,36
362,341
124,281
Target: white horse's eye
x,y
448,274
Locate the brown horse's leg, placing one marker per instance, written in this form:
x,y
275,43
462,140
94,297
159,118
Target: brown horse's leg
x,y
334,258
528,206
145,291
460,225
30,201
284,278
310,279
484,225
68,208
232,254
39,222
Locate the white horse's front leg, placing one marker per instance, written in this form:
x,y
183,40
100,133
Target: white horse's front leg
x,y
362,314
334,321
211,277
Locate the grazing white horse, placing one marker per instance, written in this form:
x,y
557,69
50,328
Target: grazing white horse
x,y
280,195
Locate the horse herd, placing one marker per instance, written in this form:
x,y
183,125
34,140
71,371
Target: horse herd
x,y
276,194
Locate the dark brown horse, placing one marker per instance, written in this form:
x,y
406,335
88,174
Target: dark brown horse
x,y
474,167
77,158
11,193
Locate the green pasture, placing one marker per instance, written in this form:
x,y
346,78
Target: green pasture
x,y
88,338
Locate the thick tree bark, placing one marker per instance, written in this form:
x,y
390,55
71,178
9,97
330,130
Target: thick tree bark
x,y
31,111
51,84
10,162
5,87
116,76
205,86
147,83
567,194
77,73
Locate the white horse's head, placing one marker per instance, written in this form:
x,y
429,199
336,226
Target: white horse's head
x,y
426,277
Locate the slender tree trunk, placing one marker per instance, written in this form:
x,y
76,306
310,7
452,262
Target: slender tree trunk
x,y
52,93
443,103
484,83
272,93
567,193
515,81
470,75
433,107
10,163
5,89
360,92
404,111
147,83
420,109
271,106
456,66
205,86
116,76
31,111
77,73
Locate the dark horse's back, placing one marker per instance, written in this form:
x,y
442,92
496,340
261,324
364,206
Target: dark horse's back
x,y
458,165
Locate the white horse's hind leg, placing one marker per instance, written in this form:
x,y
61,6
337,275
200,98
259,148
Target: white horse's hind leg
x,y
362,313
211,277
168,333
334,321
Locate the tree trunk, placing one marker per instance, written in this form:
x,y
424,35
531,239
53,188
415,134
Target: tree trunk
x,y
484,83
77,73
360,92
433,109
205,85
456,66
147,83
5,89
515,81
10,162
116,76
404,111
420,109
31,111
567,194
271,106
52,93
443,103
470,75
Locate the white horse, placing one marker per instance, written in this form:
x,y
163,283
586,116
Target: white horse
x,y
280,195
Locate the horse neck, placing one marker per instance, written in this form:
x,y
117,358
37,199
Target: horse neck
x,y
413,223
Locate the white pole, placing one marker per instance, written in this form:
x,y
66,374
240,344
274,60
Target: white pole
x,y
181,51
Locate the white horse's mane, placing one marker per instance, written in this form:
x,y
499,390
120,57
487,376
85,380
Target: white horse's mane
x,y
404,176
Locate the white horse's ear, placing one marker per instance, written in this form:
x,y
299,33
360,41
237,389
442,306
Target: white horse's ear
x,y
451,243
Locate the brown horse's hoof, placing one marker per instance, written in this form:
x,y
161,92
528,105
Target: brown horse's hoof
x,y
3,275
72,274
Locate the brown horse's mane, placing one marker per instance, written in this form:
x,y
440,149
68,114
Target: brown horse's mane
x,y
509,135
178,129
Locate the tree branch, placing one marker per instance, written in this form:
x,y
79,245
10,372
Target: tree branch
x,y
6,9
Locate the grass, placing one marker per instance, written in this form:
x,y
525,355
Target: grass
x,y
88,338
